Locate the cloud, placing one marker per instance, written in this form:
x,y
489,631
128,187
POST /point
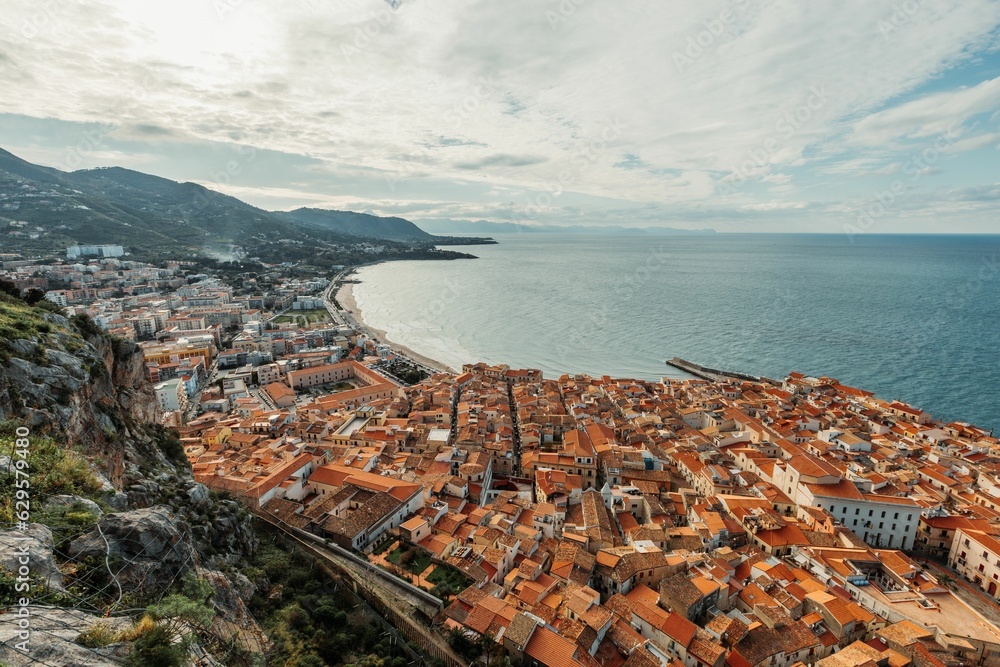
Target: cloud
x,y
608,105
935,114
501,160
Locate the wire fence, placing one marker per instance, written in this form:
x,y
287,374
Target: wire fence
x,y
102,595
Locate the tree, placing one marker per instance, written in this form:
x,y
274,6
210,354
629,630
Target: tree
x,y
33,296
10,289
156,649
185,613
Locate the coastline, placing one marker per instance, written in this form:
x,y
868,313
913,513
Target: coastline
x,y
345,297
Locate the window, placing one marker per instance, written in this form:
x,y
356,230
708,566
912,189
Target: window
x,y
883,515
857,511
870,512
896,515
894,527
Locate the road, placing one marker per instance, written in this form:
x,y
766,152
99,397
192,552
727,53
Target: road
x,y
346,318
339,317
391,592
517,429
389,589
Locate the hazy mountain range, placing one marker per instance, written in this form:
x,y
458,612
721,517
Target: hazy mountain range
x,y
448,226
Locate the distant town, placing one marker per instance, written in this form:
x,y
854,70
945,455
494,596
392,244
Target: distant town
x,y
575,520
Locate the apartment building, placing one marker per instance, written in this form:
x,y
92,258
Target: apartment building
x,y
976,556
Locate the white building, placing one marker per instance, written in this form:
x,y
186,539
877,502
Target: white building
x,y
171,395
75,251
881,521
57,297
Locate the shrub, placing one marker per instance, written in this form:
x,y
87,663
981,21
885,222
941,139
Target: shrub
x,y
98,635
168,443
85,325
156,649
53,469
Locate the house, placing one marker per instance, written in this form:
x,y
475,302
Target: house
x,y
976,556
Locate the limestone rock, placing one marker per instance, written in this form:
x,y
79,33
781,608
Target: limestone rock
x,y
53,639
37,541
64,501
150,545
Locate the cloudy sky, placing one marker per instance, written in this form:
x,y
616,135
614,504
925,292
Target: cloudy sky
x,y
877,116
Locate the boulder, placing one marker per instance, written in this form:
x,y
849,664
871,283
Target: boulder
x,y
150,547
53,639
63,501
37,542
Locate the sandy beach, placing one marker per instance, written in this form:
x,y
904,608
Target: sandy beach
x,y
345,297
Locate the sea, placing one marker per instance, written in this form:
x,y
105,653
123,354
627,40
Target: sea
x,y
912,318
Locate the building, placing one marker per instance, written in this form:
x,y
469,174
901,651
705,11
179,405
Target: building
x,y
171,395
976,556
76,251
881,521
370,386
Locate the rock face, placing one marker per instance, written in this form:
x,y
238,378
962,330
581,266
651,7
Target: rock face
x,y
149,548
83,388
234,621
37,543
53,640
89,389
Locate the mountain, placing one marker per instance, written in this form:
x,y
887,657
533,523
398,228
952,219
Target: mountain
x,y
44,210
450,226
358,224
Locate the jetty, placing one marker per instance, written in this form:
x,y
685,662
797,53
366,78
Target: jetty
x,y
710,374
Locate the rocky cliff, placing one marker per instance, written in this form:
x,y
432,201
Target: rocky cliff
x,y
133,524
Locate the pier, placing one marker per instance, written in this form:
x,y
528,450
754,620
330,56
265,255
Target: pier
x,y
710,374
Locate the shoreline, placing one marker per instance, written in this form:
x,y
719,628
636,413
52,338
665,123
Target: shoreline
x,y
345,297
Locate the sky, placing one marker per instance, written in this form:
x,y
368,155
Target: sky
x,y
857,116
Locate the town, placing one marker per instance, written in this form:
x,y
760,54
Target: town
x,y
575,520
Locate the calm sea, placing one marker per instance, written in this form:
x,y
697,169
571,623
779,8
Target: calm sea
x,y
914,318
